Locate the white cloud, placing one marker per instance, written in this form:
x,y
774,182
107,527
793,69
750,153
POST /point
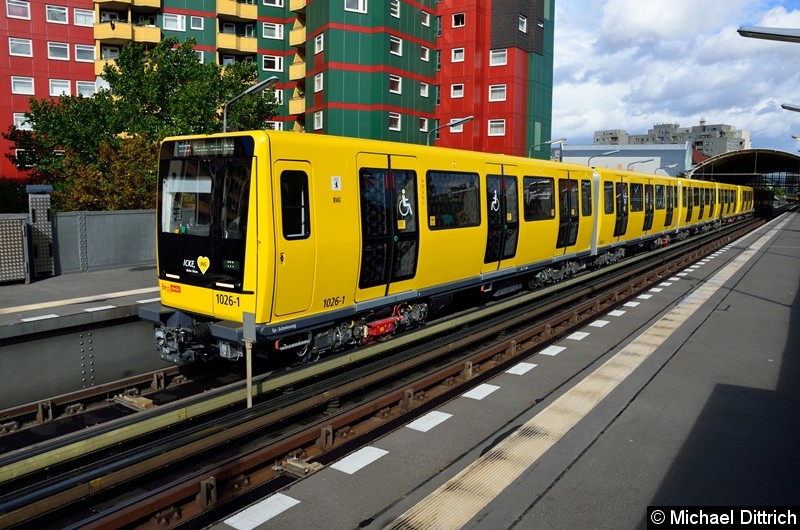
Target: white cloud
x,y
627,64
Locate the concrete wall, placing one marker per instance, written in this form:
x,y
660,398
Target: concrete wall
x,y
93,240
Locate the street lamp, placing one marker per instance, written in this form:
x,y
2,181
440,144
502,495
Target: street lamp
x,y
789,106
779,34
640,162
665,168
549,142
588,162
255,89
449,124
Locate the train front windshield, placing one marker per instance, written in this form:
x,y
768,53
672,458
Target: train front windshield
x,y
204,187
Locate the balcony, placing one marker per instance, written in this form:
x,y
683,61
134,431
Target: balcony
x,y
229,42
113,32
113,4
236,10
297,36
154,4
297,70
100,63
148,34
297,105
297,5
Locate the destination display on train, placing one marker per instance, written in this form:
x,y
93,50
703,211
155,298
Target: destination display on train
x,y
205,147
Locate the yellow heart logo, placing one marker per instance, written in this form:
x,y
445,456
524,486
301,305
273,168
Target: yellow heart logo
x,y
203,263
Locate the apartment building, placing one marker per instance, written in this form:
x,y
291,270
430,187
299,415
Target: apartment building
x,y
398,70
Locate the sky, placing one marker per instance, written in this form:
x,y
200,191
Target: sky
x,y
630,64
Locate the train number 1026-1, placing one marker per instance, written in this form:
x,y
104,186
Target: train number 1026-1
x,y
333,302
226,299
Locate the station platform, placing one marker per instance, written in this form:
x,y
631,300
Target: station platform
x,y
82,293
685,395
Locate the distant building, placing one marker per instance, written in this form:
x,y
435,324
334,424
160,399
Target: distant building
x,y
708,140
666,159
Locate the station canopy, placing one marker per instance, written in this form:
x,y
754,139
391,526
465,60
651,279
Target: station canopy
x,y
746,167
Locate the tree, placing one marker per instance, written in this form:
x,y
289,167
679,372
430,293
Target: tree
x,y
99,152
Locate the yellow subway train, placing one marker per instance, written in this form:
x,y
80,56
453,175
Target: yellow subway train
x,y
322,243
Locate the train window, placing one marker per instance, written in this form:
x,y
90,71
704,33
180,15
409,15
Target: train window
x,y
586,197
608,197
453,200
696,196
685,195
637,197
675,196
659,197
539,198
295,215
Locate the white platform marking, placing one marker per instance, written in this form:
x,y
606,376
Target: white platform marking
x,y
59,303
656,290
630,304
645,296
99,308
665,284
617,313
552,351
429,421
578,335
261,512
521,368
149,300
43,317
480,391
599,323
361,458
674,279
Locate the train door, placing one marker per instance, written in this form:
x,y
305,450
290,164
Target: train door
x,y
688,203
669,205
621,196
502,207
649,208
295,246
568,211
389,224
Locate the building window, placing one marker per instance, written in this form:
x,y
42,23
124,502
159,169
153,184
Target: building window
x,y
21,47
425,53
18,9
498,57
319,43
21,122
229,28
423,125
394,8
22,85
395,84
58,51
497,92
199,54
395,123
273,3
456,128
174,22
84,17
84,53
278,97
423,90
272,31
459,20
273,125
318,82
109,52
457,55
522,24
272,63
457,90
396,45
228,60
426,19
59,87
497,127
196,23
86,89
318,120
438,93
438,60
358,6
56,14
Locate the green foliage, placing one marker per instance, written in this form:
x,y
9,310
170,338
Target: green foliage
x,y
100,153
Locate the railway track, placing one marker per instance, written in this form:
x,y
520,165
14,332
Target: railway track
x,y
200,456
